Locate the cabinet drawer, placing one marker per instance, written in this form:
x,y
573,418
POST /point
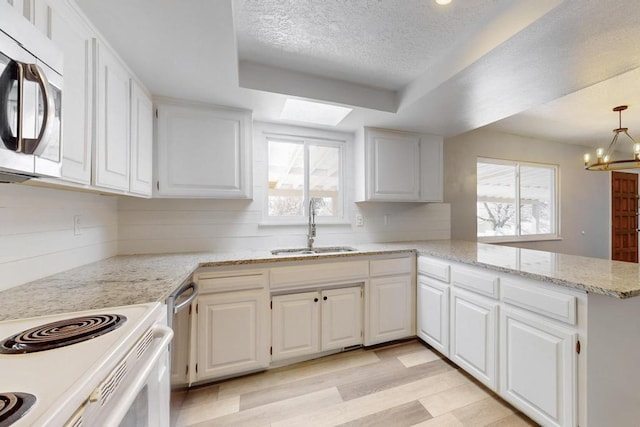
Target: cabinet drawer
x,y
387,267
476,281
434,268
532,297
313,274
231,281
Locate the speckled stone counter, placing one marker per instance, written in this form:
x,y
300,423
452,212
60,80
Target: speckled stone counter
x,y
134,279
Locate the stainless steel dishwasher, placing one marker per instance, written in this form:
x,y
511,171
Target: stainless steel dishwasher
x,y
179,319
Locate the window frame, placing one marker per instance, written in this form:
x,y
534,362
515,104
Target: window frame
x,y
519,237
306,141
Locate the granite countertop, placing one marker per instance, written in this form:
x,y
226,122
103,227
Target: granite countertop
x,y
134,279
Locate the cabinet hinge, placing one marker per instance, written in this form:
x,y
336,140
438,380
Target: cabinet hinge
x,y
156,113
186,372
271,305
158,185
270,350
578,347
196,368
197,308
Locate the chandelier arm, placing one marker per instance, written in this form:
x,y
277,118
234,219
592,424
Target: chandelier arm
x,y
630,137
611,145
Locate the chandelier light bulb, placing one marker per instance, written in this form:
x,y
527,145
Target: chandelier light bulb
x,y
604,160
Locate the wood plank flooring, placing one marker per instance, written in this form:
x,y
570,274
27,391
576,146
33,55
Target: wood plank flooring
x,y
404,384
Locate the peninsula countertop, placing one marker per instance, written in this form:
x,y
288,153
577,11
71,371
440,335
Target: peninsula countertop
x,y
133,279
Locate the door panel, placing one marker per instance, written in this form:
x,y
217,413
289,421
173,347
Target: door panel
x,y
624,216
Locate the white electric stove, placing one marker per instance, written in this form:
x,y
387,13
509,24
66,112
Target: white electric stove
x,y
112,368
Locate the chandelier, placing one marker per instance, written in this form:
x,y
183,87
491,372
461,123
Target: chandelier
x,y
604,160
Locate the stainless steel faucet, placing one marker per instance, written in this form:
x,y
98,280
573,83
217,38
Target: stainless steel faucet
x,y
311,232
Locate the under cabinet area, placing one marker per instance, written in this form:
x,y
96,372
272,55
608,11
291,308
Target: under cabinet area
x,y
203,151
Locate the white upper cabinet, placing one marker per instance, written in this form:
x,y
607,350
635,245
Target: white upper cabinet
x,y
203,151
74,38
398,166
112,148
141,176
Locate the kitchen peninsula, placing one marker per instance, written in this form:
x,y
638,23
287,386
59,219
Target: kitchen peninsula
x,y
580,310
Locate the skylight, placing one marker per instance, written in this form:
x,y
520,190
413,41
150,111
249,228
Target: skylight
x,y
313,112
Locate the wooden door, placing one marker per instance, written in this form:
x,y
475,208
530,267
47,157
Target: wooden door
x,y
624,216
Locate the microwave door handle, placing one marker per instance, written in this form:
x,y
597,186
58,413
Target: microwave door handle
x,y
32,145
14,71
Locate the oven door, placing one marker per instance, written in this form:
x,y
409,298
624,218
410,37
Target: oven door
x,y
137,392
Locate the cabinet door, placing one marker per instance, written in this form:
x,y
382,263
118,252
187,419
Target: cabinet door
x,y
393,166
233,333
341,318
112,127
141,176
474,324
203,152
390,309
74,38
433,313
294,325
538,367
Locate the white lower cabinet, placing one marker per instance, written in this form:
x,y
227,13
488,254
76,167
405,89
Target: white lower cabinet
x,y
433,313
233,333
474,333
538,367
294,325
390,308
311,322
341,318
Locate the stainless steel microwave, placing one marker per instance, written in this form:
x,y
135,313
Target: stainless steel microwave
x,y
30,105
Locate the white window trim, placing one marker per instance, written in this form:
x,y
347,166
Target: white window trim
x,y
556,204
268,220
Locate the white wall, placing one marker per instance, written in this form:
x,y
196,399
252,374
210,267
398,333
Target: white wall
x,y
584,195
37,231
174,225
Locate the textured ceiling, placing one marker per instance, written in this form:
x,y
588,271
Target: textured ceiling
x,y
379,43
551,69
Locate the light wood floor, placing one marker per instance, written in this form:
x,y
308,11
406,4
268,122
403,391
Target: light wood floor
x,y
405,384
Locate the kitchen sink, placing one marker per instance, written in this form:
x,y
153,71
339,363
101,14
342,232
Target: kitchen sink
x,y
306,251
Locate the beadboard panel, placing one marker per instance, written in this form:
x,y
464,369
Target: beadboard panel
x,y
37,236
156,226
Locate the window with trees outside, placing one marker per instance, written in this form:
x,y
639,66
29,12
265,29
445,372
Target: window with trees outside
x,y
301,170
516,201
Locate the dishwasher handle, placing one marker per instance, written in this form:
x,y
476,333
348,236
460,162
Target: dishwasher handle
x,y
191,286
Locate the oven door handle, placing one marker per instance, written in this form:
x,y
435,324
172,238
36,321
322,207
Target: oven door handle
x,y
194,287
162,333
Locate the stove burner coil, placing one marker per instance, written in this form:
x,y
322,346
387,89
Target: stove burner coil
x,y
13,406
61,333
